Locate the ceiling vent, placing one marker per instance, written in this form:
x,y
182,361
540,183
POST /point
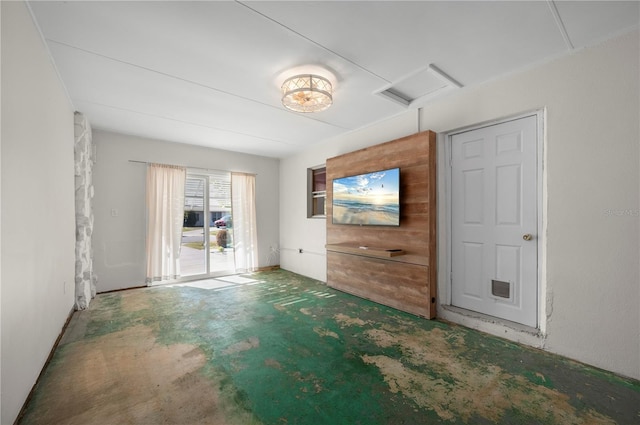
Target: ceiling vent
x,y
419,86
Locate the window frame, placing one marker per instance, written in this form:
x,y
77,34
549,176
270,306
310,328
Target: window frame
x,y
313,195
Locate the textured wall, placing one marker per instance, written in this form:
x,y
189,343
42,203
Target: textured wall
x,y
84,159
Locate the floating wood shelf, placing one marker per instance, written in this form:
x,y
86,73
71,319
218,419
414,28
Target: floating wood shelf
x,y
367,251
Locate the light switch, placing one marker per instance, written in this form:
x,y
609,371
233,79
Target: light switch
x,y
114,212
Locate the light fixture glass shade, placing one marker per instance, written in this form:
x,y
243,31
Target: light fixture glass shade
x,y
306,93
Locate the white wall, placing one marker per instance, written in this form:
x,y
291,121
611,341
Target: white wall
x,y
119,242
591,275
38,221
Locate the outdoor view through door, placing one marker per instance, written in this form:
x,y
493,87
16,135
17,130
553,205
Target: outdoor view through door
x,y
207,232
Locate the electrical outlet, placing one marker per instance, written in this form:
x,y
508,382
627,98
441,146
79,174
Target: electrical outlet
x,y
114,212
299,250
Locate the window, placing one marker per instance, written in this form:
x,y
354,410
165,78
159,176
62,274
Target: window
x,y
317,192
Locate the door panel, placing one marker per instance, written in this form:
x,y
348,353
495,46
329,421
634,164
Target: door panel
x,y
193,260
493,204
473,265
473,197
221,253
508,195
508,259
207,248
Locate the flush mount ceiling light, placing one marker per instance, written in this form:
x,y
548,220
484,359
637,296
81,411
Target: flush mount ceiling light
x,y
306,93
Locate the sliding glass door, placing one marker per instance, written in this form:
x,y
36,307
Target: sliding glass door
x,y
207,232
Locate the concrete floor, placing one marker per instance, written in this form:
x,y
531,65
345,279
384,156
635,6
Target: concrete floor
x,y
278,348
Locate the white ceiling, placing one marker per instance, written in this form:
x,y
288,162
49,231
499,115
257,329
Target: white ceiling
x,y
209,72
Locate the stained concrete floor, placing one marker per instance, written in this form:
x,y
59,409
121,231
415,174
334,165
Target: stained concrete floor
x,y
278,348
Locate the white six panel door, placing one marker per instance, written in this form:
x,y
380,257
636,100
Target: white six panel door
x,y
494,220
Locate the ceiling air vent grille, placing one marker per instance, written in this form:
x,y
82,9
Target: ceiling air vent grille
x,y
421,85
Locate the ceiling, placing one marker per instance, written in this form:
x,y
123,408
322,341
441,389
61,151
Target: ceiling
x,y
209,72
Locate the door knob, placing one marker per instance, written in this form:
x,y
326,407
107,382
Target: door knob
x,y
527,237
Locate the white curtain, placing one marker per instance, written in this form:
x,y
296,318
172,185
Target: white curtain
x,y
243,204
165,209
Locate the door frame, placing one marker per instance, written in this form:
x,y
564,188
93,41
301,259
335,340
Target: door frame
x,y
207,175
473,319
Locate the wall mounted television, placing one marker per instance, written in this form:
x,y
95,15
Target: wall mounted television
x,y
370,199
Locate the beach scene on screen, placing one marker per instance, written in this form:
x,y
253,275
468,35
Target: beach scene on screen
x,y
368,199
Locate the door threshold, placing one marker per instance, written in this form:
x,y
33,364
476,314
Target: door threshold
x,y
496,326
186,279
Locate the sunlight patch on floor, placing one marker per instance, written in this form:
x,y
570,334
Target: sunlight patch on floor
x,y
219,283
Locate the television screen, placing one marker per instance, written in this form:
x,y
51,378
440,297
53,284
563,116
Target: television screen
x,y
368,199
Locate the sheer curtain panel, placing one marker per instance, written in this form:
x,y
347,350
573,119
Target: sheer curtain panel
x,y
243,204
165,210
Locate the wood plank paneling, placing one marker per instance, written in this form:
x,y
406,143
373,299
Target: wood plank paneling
x,y
378,281
406,282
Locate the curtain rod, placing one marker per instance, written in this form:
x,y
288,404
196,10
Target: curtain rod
x,y
193,168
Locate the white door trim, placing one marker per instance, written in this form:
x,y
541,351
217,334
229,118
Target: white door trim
x,y
502,328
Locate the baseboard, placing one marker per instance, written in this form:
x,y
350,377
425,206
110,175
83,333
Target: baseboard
x,y
268,268
125,289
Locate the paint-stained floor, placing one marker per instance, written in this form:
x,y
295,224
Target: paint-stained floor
x,y
278,348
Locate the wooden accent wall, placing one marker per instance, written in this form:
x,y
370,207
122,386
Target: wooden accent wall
x,y
406,282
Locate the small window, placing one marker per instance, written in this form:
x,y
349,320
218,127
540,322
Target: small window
x,y
317,192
